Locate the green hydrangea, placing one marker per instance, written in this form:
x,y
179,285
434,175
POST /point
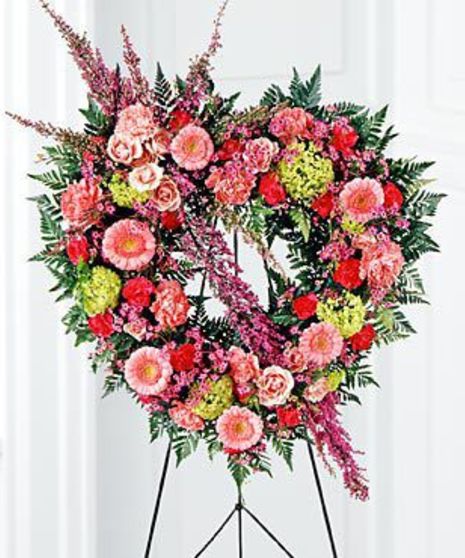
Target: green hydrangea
x,y
352,227
216,400
99,290
307,175
125,195
334,379
347,313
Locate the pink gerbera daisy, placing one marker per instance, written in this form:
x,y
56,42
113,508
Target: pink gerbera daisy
x,y
239,428
321,343
148,371
361,198
192,148
128,244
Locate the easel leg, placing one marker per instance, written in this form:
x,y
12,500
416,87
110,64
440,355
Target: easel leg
x,y
239,518
161,486
322,500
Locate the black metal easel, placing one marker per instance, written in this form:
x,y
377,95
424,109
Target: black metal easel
x,y
240,508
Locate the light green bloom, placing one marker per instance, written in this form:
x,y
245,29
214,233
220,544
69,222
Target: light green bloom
x,y
352,226
307,175
347,313
99,290
218,398
334,379
125,195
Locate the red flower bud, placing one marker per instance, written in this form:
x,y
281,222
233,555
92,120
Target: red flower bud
x,y
77,249
101,325
324,204
271,189
172,220
304,306
183,357
364,338
179,119
393,198
138,291
347,274
288,417
229,148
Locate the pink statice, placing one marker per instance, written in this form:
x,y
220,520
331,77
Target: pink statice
x,y
182,416
361,199
129,245
274,386
124,149
239,429
171,305
232,183
290,124
192,148
148,371
136,122
259,153
321,343
79,203
244,367
381,263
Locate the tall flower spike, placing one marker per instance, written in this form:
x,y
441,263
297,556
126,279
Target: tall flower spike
x,y
142,91
104,83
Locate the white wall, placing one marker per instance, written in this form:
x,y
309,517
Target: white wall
x,y
69,498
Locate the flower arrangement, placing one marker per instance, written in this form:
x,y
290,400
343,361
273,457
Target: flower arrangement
x,y
138,209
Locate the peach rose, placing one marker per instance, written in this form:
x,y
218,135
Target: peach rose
x,y
124,149
192,148
274,386
171,305
159,145
166,196
244,366
318,391
146,177
259,153
79,202
295,359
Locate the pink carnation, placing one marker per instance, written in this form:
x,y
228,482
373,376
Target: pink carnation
x,y
318,391
361,199
146,177
148,371
321,343
259,153
192,148
381,263
239,429
124,149
231,183
79,203
244,366
289,124
128,244
274,386
182,416
136,122
171,305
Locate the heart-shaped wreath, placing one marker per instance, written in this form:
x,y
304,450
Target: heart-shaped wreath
x,y
141,206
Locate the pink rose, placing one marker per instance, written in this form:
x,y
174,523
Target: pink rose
x,y
231,183
136,328
160,143
289,124
381,263
182,416
192,148
136,122
244,366
171,305
147,177
318,391
295,359
274,386
79,202
166,196
124,149
259,153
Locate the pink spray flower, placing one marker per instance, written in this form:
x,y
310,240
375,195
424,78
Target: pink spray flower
x,y
192,148
128,244
148,371
321,343
361,198
239,428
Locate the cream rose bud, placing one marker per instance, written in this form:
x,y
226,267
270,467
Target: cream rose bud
x,y
274,386
146,177
124,149
166,196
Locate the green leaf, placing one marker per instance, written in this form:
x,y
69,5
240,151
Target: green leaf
x,y
301,219
97,124
306,94
273,96
164,93
184,444
284,448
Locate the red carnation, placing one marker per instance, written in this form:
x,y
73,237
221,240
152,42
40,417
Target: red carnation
x,y
323,205
77,249
229,148
172,220
138,291
347,274
363,339
271,189
243,392
288,417
101,325
393,198
182,358
304,306
179,119
344,139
